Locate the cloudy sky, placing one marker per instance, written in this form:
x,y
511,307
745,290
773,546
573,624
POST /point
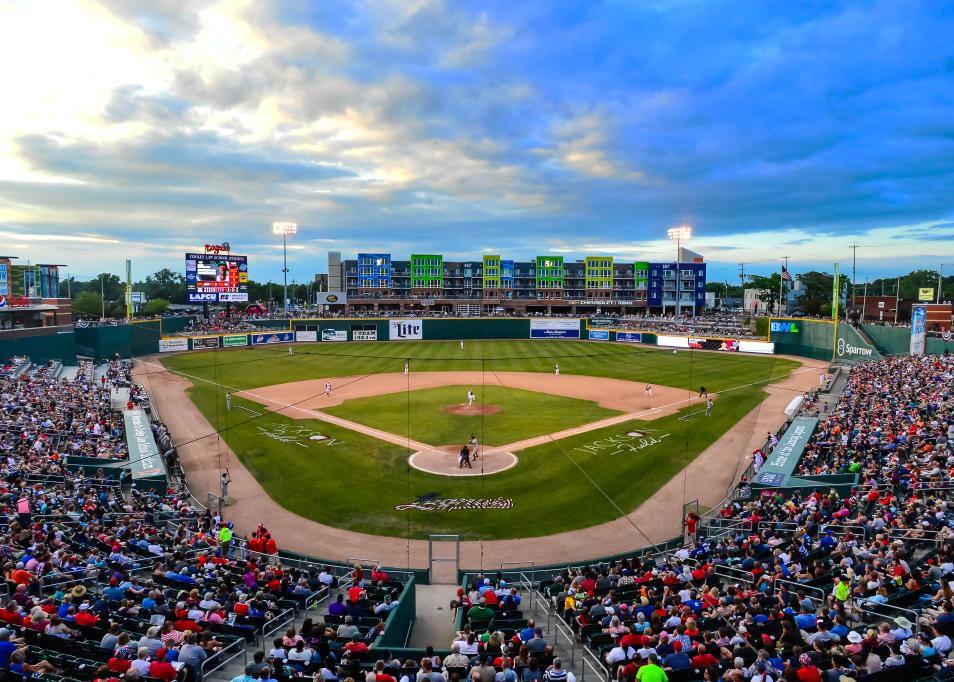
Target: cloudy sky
x,y
145,128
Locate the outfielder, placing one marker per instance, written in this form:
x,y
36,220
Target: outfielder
x,y
228,401
407,369
709,407
291,350
462,344
470,397
556,369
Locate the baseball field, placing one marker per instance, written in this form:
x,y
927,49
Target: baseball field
x,y
569,451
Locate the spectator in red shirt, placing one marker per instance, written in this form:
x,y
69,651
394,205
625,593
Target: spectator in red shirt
x,y
84,617
162,669
356,646
703,659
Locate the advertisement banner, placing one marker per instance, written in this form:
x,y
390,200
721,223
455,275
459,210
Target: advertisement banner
x,y
273,337
629,337
926,294
171,345
784,327
306,336
4,278
405,330
144,457
204,342
599,335
781,463
331,297
555,329
672,341
763,347
216,276
234,340
918,325
334,335
364,334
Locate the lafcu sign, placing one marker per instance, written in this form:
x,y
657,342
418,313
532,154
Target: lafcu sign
x,y
785,327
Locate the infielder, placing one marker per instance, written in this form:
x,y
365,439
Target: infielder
x,y
470,398
709,407
328,389
648,390
228,401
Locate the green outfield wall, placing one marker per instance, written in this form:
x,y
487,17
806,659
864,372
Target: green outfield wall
x,y
897,340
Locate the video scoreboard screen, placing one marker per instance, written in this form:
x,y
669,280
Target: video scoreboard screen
x,y
212,278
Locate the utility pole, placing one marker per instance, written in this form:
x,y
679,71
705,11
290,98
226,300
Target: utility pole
x,y
897,301
102,296
864,301
781,285
854,275
940,274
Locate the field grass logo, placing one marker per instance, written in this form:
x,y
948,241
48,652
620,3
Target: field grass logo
x,y
297,435
433,502
625,443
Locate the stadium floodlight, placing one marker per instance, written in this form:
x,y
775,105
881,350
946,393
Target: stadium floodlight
x,y
285,229
680,233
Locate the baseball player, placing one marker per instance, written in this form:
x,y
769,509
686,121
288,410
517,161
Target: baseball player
x,y
407,369
228,401
474,446
291,350
470,397
648,390
462,344
821,378
703,393
327,389
556,369
709,407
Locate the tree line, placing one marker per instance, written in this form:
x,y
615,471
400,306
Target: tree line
x,y
816,296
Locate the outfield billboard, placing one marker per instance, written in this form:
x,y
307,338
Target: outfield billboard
x,y
764,347
629,337
559,328
234,340
172,345
306,336
364,332
204,342
672,341
406,330
598,335
334,334
273,337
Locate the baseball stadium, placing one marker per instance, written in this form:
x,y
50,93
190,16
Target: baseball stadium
x,y
442,341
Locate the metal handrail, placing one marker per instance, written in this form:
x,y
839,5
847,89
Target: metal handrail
x,y
799,586
315,598
223,660
270,627
910,614
521,564
727,572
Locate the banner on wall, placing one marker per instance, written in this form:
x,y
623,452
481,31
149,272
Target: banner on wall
x,y
835,294
331,297
274,337
171,345
926,294
364,334
234,340
405,330
918,325
4,279
204,342
306,336
765,347
599,335
672,341
336,335
559,328
629,337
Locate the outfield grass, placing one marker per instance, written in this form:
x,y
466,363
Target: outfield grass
x,y
254,367
356,482
420,414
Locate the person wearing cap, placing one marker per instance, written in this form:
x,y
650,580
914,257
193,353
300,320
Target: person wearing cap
x,y
652,672
677,660
903,632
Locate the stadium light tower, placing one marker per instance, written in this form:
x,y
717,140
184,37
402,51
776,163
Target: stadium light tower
x,y
683,232
285,229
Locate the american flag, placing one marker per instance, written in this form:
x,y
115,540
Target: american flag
x,y
786,275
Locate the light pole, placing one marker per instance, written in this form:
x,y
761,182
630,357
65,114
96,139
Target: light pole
x,y
285,229
679,234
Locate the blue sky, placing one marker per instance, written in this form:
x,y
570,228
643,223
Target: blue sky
x,y
143,129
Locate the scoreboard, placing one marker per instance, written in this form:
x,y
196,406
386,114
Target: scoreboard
x,y
216,278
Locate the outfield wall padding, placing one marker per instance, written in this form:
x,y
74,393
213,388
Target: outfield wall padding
x,y
480,328
40,348
897,340
814,339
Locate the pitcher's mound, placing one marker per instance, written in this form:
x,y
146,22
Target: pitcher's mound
x,y
471,410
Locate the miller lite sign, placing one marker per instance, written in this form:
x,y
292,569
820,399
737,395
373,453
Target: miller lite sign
x,y
406,330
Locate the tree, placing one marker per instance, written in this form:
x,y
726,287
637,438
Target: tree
x,y
165,284
767,288
156,306
721,289
88,303
816,292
